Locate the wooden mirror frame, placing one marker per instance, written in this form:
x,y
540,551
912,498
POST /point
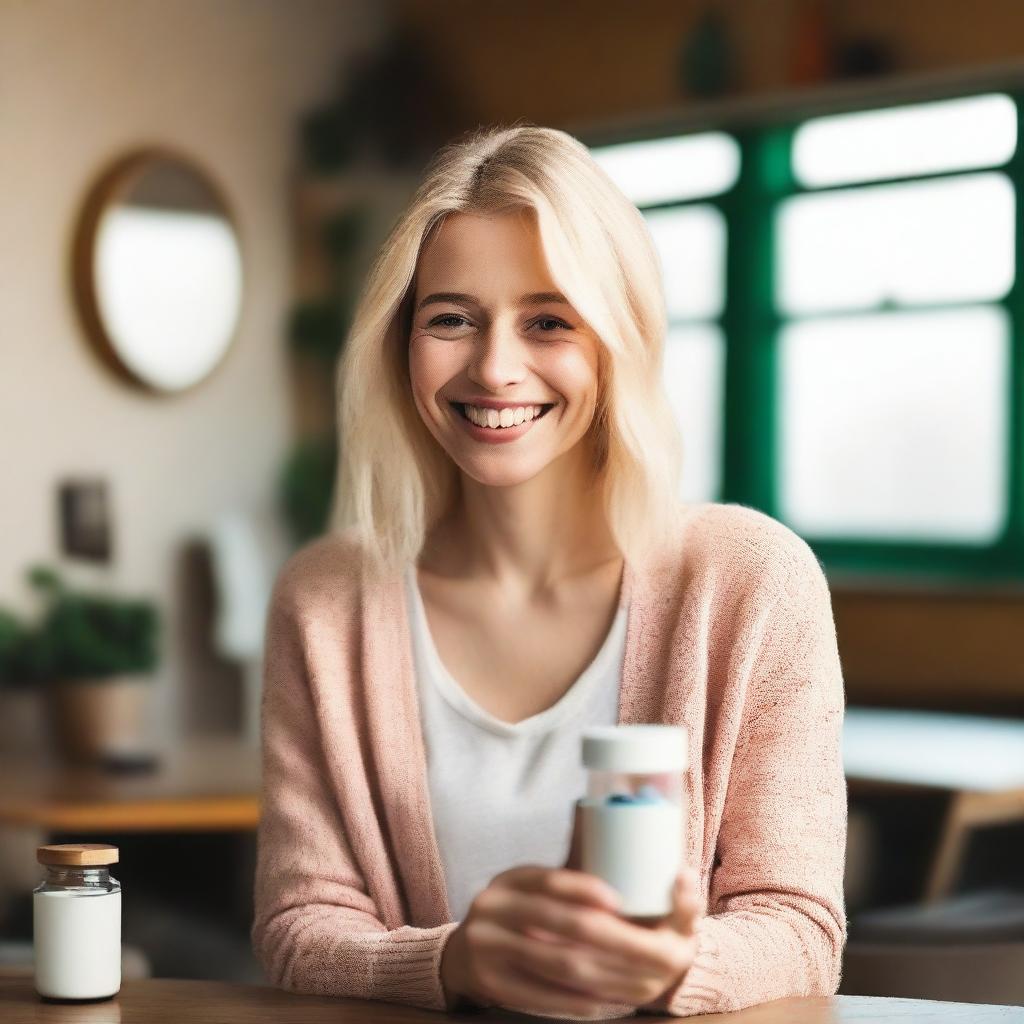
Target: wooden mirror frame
x,y
113,181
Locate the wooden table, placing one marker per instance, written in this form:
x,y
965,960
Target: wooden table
x,y
206,783
159,1000
977,761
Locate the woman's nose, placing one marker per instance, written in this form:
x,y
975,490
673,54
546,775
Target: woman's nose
x,y
498,357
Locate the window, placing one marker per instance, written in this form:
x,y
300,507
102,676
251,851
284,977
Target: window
x,y
923,138
672,181
852,368
895,424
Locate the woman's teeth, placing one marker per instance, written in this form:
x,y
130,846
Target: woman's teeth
x,y
495,418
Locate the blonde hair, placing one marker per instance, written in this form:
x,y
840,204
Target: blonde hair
x,y
395,481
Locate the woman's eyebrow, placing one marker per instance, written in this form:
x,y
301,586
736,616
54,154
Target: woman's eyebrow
x,y
524,300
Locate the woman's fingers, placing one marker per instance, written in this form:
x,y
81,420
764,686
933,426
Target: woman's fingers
x,y
611,961
492,955
557,926
563,884
643,950
583,969
517,989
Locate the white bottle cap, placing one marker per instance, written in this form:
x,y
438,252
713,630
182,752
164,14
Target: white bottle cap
x,y
643,749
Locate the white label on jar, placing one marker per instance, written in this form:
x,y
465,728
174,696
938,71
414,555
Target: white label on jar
x,y
77,944
635,848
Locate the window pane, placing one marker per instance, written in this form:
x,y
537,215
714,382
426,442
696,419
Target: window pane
x,y
663,170
869,145
691,244
894,425
695,382
915,242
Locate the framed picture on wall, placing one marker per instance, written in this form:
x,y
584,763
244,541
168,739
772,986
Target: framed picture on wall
x,y
85,519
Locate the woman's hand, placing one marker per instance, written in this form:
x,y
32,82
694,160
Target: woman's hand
x,y
549,940
678,928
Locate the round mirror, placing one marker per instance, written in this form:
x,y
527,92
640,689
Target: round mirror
x,y
158,271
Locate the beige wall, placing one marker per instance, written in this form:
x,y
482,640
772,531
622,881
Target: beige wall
x,y
79,82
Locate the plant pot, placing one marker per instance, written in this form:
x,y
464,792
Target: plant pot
x,y
90,718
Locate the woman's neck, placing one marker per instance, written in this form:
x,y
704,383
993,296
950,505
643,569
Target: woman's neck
x,y
529,538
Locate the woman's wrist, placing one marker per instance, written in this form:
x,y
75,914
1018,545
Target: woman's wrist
x,y
452,977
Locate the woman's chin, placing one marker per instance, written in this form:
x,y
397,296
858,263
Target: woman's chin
x,y
503,476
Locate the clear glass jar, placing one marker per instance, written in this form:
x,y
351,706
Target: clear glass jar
x,y
633,817
76,918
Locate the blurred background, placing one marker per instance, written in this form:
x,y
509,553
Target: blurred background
x,y
192,194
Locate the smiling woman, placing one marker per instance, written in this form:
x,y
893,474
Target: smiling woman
x,y
507,351
501,283
510,565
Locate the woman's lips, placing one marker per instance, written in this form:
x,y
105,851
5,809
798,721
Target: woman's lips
x,y
496,435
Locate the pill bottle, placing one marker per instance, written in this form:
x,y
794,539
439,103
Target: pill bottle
x,y
76,923
633,815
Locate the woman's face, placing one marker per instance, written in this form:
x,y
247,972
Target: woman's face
x,y
488,333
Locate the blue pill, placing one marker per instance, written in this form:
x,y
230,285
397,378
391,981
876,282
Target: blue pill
x,y
650,794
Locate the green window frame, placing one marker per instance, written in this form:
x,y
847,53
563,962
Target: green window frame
x,y
752,326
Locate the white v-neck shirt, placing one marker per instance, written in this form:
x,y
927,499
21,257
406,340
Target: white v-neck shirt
x,y
502,793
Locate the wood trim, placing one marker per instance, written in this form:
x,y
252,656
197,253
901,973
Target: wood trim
x,y
208,814
114,180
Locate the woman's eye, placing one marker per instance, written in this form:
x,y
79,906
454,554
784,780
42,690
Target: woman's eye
x,y
559,324
455,320
439,320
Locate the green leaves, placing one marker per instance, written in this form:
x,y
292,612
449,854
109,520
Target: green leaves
x,y
307,486
78,635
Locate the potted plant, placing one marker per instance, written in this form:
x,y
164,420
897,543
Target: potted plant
x,y
21,721
91,655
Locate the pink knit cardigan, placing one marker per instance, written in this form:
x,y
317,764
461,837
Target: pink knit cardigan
x,y
730,633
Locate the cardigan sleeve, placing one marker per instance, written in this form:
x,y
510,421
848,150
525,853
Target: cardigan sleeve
x,y
316,929
776,922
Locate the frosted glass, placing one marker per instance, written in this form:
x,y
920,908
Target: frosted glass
x,y
695,381
924,138
663,170
691,245
894,426
918,242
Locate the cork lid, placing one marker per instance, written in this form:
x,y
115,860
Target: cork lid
x,y
78,854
